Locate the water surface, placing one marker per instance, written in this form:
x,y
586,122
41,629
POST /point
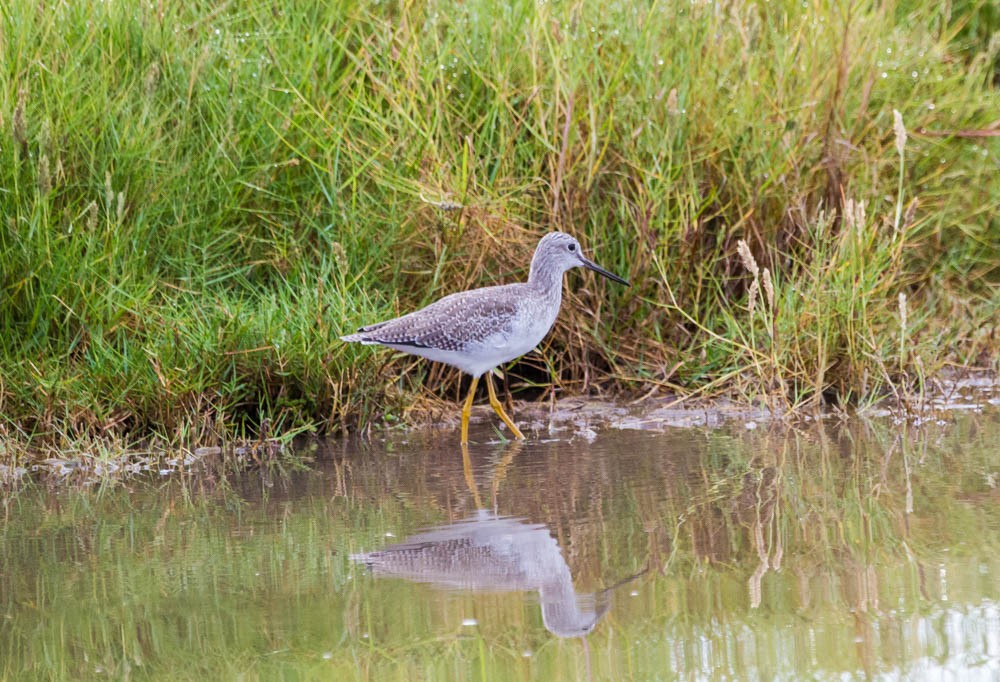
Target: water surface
x,y
847,550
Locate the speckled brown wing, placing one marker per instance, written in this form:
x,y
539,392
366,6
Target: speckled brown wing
x,y
450,324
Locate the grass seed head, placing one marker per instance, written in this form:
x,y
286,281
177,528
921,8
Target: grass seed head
x,y
768,288
902,311
672,108
748,260
897,125
339,255
92,216
752,296
854,214
44,177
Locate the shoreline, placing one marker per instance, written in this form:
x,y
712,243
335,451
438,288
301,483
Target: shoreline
x,y
94,462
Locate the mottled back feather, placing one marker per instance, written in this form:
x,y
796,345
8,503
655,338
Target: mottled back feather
x,y
451,323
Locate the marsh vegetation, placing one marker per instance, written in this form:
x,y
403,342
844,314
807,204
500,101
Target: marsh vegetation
x,y
198,199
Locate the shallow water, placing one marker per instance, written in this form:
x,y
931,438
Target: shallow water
x,y
835,551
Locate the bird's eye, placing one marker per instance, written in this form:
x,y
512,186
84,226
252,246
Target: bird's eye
x,y
571,247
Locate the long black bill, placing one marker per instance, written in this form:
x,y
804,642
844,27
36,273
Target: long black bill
x,y
591,265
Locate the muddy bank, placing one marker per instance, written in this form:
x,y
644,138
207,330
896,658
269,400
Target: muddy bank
x,y
576,417
583,416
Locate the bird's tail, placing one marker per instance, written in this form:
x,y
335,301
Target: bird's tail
x,y
362,335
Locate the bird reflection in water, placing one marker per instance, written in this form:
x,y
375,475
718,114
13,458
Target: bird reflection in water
x,y
491,553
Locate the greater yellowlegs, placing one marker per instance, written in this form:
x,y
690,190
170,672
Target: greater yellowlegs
x,y
479,329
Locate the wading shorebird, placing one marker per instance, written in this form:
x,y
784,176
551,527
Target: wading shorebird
x,y
480,329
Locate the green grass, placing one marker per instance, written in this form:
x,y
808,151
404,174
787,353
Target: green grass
x,y
198,199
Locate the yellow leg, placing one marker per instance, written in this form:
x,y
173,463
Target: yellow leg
x,y
498,408
467,410
500,470
470,479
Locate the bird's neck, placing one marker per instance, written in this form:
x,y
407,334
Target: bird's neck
x,y
545,280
